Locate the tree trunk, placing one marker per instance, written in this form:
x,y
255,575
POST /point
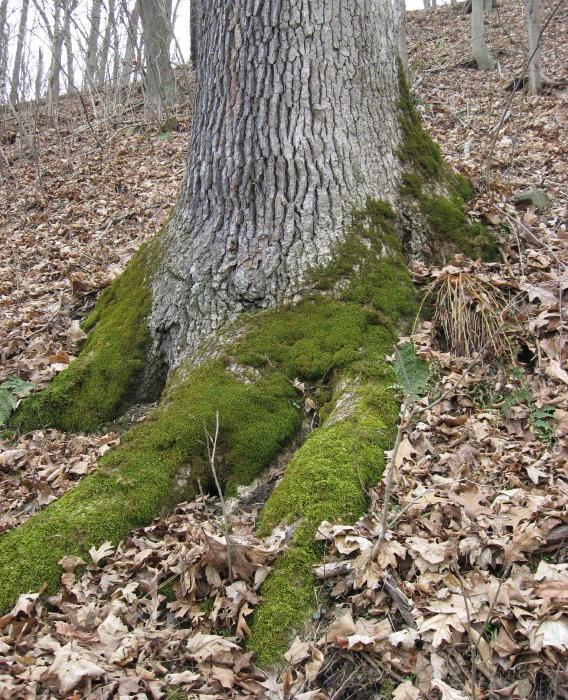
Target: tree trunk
x,y
3,47
280,157
92,46
478,45
53,85
17,69
195,29
131,52
532,9
400,24
160,83
105,46
39,75
70,7
116,55
307,169
426,4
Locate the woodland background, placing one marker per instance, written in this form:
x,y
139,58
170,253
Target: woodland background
x,y
476,554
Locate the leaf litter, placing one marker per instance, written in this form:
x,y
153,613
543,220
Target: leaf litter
x,y
467,593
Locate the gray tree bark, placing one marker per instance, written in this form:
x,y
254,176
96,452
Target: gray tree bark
x,y
399,7
39,75
132,50
532,9
3,46
70,6
285,143
92,45
478,45
17,68
159,82
53,83
105,46
195,29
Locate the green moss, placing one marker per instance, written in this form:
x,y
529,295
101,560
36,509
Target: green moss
x,y
137,480
417,147
448,220
445,216
351,331
462,188
411,185
97,386
326,480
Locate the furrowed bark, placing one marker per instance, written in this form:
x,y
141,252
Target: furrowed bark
x,y
286,141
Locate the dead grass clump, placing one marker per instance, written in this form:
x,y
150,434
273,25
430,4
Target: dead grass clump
x,y
469,312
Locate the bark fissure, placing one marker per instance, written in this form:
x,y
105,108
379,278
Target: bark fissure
x,y
285,143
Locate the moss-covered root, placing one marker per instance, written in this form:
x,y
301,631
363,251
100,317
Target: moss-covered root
x,y
325,480
426,176
95,387
157,464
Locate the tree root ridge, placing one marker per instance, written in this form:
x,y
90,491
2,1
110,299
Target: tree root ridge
x,y
326,480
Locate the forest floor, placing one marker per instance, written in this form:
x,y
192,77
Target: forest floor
x,y
467,595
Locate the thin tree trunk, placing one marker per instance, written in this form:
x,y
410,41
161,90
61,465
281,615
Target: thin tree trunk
x,y
195,29
426,4
275,175
131,53
478,44
39,76
53,86
159,81
70,7
3,47
105,46
92,45
532,9
17,69
115,47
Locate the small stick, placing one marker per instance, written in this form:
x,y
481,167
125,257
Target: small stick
x,y
211,450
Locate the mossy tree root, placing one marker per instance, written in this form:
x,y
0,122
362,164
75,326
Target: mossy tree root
x,y
326,480
345,326
105,376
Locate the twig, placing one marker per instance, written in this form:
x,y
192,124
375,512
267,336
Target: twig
x,y
472,646
400,599
211,450
494,602
404,418
538,240
379,666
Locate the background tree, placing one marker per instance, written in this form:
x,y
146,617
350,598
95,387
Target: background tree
x,y
279,284
159,79
478,44
53,84
132,52
3,46
532,10
195,29
70,7
17,68
91,59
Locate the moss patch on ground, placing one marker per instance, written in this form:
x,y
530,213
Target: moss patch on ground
x,y
326,480
98,385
